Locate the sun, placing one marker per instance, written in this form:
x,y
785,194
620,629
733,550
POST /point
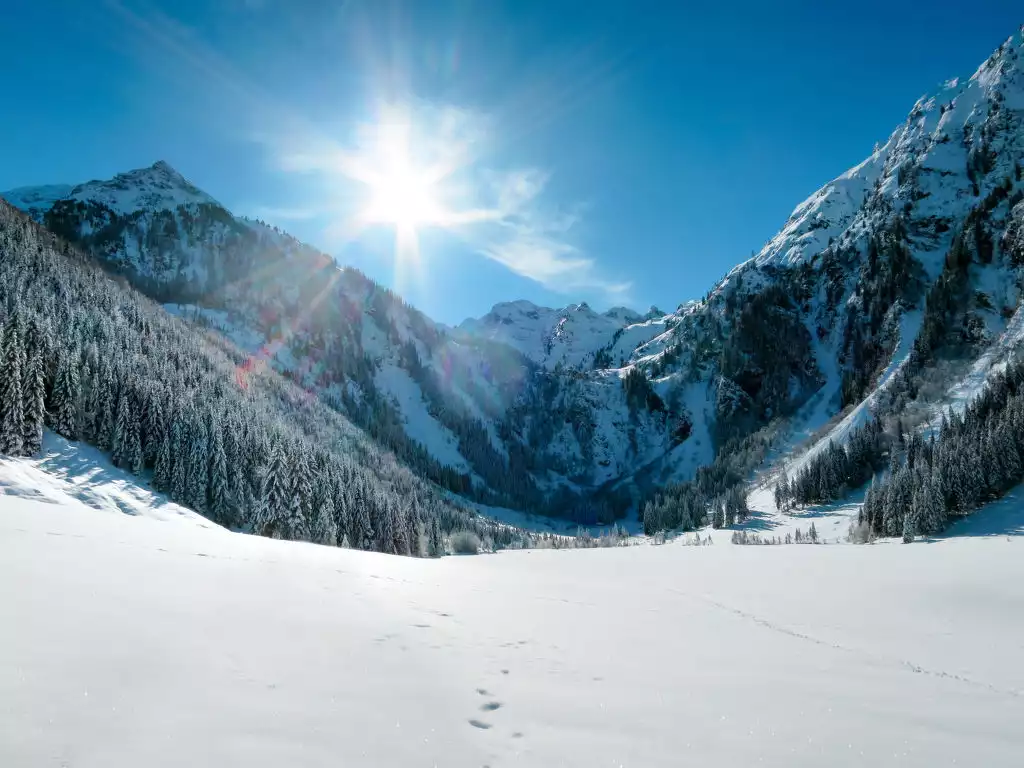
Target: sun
x,y
403,196
401,192
406,174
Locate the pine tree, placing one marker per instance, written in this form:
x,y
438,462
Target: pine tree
x,y
12,418
435,544
163,464
362,529
198,468
297,523
399,530
342,518
179,465
323,528
88,427
106,417
908,528
412,527
34,409
217,481
273,500
382,520
66,394
119,443
153,428
133,446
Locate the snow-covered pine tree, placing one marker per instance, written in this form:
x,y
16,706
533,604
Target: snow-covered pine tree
x,y
133,444
342,519
274,496
931,514
412,526
179,446
399,530
908,527
66,394
106,417
12,418
362,530
217,480
34,408
435,544
163,467
297,522
153,426
198,461
323,527
88,422
122,429
382,520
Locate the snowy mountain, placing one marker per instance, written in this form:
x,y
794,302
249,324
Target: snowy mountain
x,y
571,337
462,408
36,201
904,268
574,336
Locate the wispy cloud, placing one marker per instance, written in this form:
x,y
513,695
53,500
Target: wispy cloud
x,y
502,213
535,240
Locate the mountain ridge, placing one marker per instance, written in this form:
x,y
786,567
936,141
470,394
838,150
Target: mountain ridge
x,y
551,408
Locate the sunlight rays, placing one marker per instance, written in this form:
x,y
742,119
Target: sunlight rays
x,y
403,164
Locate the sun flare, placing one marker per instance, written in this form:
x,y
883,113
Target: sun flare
x,y
403,196
401,192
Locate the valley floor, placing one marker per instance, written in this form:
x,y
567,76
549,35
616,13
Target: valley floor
x,y
141,640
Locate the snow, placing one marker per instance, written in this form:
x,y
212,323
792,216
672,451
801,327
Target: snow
x,y
544,524
419,424
241,335
158,187
824,215
549,337
77,476
36,200
991,361
831,521
131,641
910,326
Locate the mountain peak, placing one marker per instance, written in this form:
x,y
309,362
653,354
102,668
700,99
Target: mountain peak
x,y
156,187
164,167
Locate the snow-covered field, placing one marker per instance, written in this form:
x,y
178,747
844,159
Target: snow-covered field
x,y
146,639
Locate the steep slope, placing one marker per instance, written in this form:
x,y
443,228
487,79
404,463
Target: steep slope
x,y
875,297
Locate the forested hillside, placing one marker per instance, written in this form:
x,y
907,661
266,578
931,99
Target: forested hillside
x,y
204,422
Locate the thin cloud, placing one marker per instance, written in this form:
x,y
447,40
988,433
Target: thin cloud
x,y
501,213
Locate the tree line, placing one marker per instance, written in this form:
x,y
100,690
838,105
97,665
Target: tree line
x,y
977,457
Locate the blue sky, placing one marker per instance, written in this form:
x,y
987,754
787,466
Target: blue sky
x,y
613,152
